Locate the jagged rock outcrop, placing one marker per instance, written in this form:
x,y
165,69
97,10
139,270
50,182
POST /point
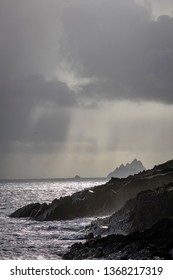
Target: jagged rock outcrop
x,y
124,171
89,202
139,213
154,243
100,200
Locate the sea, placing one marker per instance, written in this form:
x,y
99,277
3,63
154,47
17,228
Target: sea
x,y
22,239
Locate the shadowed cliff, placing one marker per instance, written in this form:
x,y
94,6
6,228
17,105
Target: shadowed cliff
x,y
137,214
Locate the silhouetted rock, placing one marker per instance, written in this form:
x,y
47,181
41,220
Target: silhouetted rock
x,y
124,171
154,243
77,177
28,211
100,200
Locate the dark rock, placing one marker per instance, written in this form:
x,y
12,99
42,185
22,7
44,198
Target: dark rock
x,y
90,236
138,213
26,211
153,243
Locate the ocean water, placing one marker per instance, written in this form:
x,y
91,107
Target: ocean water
x,y
29,239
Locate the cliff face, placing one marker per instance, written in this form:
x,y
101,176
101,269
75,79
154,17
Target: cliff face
x,y
139,213
124,171
101,200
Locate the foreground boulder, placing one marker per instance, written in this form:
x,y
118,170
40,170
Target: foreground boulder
x,y
100,200
154,243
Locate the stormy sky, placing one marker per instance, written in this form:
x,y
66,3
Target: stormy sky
x,y
84,86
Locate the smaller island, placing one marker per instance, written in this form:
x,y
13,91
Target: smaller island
x,y
77,178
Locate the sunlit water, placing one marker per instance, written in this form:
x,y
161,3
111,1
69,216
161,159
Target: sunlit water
x,y
29,239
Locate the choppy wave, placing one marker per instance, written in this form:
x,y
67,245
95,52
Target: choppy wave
x,y
28,239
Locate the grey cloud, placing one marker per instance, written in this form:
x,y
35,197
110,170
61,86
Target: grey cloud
x,y
111,50
35,113
118,43
35,110
156,136
114,41
29,36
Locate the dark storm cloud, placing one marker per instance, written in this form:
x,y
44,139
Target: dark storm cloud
x,y
106,50
114,41
29,34
130,55
34,110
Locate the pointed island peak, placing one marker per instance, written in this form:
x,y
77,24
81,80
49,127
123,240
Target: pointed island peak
x,y
123,171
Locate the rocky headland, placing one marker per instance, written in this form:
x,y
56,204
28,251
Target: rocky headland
x,y
101,200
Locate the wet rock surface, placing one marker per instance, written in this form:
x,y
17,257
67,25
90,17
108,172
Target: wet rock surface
x,y
100,200
154,243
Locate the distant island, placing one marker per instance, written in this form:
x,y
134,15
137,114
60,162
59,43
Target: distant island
x,y
124,171
77,177
101,200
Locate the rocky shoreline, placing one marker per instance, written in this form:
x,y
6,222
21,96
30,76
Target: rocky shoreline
x,y
155,243
142,229
140,221
137,214
101,200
